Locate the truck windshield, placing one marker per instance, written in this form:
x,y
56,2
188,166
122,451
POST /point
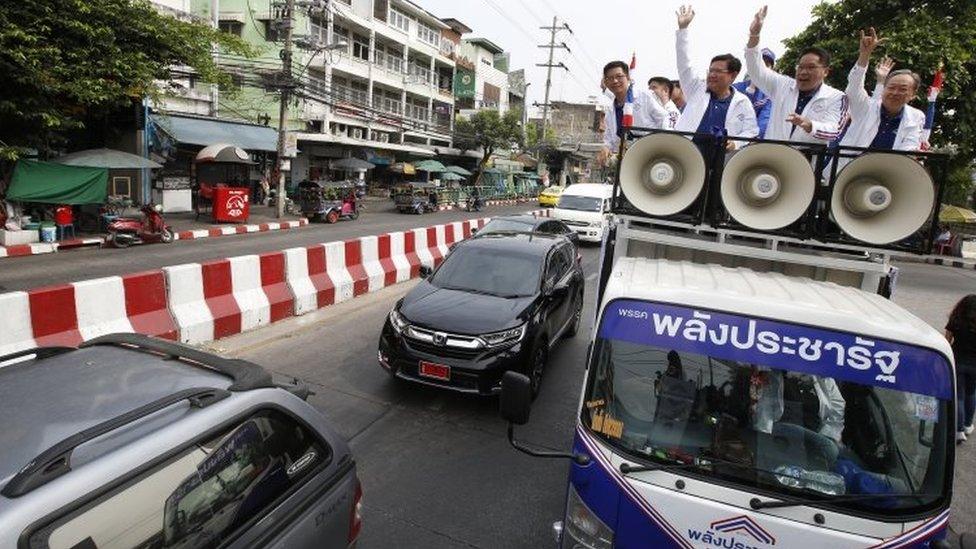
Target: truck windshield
x,y
752,402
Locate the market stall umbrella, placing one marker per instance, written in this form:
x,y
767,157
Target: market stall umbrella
x,y
352,164
106,158
458,170
222,152
451,176
430,166
955,214
404,168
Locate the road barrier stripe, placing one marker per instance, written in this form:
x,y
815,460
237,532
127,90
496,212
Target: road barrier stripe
x,y
200,302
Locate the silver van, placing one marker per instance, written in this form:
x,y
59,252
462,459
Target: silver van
x,y
131,442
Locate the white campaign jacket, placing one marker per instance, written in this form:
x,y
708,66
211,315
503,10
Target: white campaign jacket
x,y
674,114
741,118
827,109
648,113
866,116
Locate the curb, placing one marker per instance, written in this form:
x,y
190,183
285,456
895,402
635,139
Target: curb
x,y
448,207
957,263
21,250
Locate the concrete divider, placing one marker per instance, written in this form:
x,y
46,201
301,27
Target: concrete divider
x,y
201,302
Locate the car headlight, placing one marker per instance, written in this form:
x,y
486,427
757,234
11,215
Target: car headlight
x,y
583,529
596,223
397,321
504,337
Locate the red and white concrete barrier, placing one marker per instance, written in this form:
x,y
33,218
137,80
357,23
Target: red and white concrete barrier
x,y
239,229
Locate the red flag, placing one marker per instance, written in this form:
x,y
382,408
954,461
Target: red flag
x,y
633,61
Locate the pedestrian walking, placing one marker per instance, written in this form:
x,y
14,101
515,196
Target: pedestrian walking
x,y
961,333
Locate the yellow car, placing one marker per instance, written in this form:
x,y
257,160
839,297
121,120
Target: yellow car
x,y
550,196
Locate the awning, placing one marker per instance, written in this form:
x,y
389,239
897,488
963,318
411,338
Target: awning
x,y
343,140
207,131
50,183
106,158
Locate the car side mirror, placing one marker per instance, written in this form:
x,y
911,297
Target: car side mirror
x,y
516,398
425,271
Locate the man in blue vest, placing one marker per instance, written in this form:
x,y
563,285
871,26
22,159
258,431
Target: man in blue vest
x,y
760,101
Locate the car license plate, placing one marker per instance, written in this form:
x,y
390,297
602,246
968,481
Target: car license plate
x,y
436,371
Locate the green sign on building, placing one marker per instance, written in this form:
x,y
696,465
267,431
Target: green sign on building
x,y
463,83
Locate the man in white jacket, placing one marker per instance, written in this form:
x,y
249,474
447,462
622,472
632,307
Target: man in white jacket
x,y
805,109
884,120
713,103
631,103
662,88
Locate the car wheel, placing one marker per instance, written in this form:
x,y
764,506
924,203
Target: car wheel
x,y
577,318
538,367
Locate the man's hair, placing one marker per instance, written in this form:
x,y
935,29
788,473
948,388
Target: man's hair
x,y
819,52
915,77
732,63
616,65
675,84
662,81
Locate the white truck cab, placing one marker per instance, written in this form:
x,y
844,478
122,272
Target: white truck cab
x,y
585,208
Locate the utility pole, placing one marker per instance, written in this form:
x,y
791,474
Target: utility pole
x,y
285,84
552,46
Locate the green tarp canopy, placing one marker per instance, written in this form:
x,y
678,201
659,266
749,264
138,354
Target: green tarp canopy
x,y
51,183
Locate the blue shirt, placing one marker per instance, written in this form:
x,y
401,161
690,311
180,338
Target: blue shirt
x,y
760,103
801,103
887,130
714,116
619,111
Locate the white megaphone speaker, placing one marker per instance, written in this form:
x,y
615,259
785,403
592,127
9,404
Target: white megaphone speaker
x,y
882,198
662,174
766,186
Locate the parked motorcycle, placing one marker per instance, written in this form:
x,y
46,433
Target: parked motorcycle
x,y
473,204
126,231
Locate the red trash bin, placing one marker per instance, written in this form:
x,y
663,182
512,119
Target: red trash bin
x,y
231,204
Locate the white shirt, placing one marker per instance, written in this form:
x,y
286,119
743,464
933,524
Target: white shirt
x,y
826,110
866,116
648,113
740,121
674,114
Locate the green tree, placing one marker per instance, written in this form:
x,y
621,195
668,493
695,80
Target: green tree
x,y
68,61
532,141
489,131
920,35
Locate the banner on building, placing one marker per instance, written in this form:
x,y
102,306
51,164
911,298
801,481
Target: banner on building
x,y
464,83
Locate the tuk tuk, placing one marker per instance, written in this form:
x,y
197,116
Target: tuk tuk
x,y
328,200
416,198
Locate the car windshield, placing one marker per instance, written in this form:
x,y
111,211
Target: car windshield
x,y
754,407
505,273
582,203
501,225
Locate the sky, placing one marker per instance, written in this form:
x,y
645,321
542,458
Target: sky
x,y
605,30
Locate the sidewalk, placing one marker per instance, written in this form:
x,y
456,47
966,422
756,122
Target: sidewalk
x,y
185,226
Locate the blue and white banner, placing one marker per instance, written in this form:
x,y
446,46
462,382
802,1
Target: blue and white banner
x,y
840,355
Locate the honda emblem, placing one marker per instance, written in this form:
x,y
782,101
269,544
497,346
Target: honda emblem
x,y
440,338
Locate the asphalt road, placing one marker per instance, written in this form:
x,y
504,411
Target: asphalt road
x,y
436,468
22,273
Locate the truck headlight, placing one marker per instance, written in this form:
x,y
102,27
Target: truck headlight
x,y
504,337
397,321
596,223
583,529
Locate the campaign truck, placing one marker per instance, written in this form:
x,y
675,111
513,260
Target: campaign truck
x,y
752,389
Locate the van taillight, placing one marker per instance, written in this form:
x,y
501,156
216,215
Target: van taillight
x,y
356,514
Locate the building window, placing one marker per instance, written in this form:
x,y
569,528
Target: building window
x,y
399,20
429,35
271,31
360,47
231,27
380,9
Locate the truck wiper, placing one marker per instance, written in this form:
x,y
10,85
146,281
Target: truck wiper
x,y
626,468
756,503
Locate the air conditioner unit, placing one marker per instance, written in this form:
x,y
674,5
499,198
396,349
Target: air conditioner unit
x,y
357,133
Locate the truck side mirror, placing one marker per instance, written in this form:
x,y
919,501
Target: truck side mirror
x,y
516,398
425,271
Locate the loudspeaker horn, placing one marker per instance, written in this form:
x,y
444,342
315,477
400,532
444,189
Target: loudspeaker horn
x,y
767,186
882,198
662,174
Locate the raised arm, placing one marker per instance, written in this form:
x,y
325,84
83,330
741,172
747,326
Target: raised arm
x,y
691,83
762,76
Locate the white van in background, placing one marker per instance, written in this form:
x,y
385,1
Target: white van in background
x,y
585,208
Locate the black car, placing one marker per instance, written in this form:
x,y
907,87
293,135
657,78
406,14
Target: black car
x,y
498,302
528,224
